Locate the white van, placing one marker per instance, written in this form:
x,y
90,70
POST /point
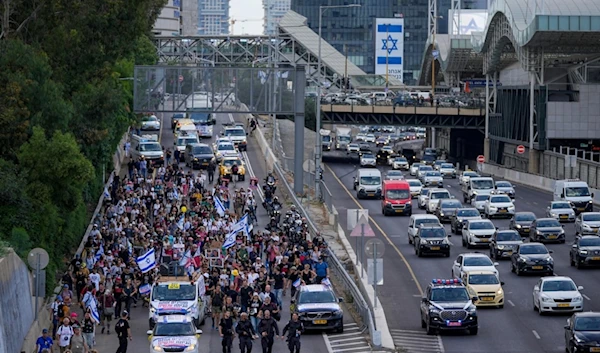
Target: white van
x,y
367,183
576,192
477,186
176,296
146,146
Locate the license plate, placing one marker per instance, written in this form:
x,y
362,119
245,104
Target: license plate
x,y
454,323
370,194
582,209
526,230
204,163
538,267
564,216
487,299
484,240
320,322
594,349
503,211
596,258
435,248
563,305
434,182
399,211
552,237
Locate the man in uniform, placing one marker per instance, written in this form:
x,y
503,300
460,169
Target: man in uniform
x,y
294,328
123,331
246,333
226,332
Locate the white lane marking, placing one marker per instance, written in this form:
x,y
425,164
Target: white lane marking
x,y
510,302
536,334
327,344
586,297
535,203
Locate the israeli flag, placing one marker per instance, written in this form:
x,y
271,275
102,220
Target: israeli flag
x,y
99,252
220,207
325,281
93,306
297,283
185,259
145,289
284,74
129,247
95,315
180,222
229,240
262,75
175,194
147,261
106,193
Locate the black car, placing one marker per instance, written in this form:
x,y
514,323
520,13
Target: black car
x,y
175,118
319,309
585,251
198,155
582,332
363,148
458,219
532,258
383,155
504,243
547,230
431,239
446,305
521,222
446,209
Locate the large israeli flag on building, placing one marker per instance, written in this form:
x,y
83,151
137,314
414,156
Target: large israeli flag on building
x,y
389,47
147,261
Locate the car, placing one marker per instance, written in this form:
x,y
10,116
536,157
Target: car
x,y
360,137
198,155
582,331
438,163
448,170
423,198
585,251
238,136
364,148
418,220
434,197
150,123
547,230
225,150
227,163
431,239
466,175
175,119
479,201
383,156
394,175
415,187
368,160
468,262
521,222
561,211
557,294
446,305
381,141
353,148
477,232
462,215
499,206
370,138
414,168
446,208
318,308
221,140
174,332
422,170
400,163
486,287
503,243
532,258
184,139
587,223
505,187
432,178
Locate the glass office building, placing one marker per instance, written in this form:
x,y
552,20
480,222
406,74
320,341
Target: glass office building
x,y
350,30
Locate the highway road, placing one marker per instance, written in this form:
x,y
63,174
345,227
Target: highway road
x,y
516,328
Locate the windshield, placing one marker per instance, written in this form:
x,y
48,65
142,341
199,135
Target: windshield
x,y
508,236
370,180
579,191
481,197
446,166
536,249
561,205
418,222
548,223
150,118
482,184
587,324
179,293
186,141
503,184
200,118
354,145
235,132
150,147
344,138
226,147
417,165
368,156
316,297
231,162
326,138
590,242
477,261
481,225
500,199
432,174
433,233
458,294
467,213
525,217
558,286
174,329
439,195
425,192
400,159
202,150
591,217
488,278
470,174
394,173
451,204
415,183
425,168
397,194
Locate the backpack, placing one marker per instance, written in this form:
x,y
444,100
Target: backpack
x,y
60,312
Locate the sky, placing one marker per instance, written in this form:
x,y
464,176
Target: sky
x,y
247,10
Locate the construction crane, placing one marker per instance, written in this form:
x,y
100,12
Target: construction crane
x,y
234,21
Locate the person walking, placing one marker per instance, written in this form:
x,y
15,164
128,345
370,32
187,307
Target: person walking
x,y
246,333
177,156
89,330
44,342
269,331
217,305
123,331
211,171
322,270
107,302
143,167
294,329
78,341
63,335
226,332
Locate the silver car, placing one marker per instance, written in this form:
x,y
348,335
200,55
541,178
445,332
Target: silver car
x,y
423,198
505,187
447,170
587,223
414,168
479,202
560,210
433,179
415,187
422,170
353,148
394,175
368,160
466,176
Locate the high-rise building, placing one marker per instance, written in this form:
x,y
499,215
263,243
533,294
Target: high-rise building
x,y
189,17
213,17
168,22
274,12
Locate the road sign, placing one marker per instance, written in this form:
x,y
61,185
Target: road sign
x,y
375,271
362,230
374,248
481,159
180,78
38,258
520,149
356,215
481,83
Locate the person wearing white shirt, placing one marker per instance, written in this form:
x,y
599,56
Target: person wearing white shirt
x,y
64,334
95,279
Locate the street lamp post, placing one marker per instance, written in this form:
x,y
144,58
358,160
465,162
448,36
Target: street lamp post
x,y
318,141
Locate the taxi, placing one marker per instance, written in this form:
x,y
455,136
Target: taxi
x,y
228,162
174,333
486,286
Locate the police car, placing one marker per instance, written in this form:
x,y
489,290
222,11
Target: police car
x,y
174,333
319,308
446,305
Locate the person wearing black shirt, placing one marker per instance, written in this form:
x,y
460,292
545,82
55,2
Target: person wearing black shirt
x,y
246,332
278,281
217,305
293,275
123,331
226,332
245,295
268,331
295,329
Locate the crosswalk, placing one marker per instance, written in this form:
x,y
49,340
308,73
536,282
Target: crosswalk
x,y
353,340
416,341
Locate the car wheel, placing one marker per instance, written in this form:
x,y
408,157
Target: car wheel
x,y
473,331
430,330
501,306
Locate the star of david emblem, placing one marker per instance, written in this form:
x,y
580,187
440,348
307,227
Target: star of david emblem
x,y
148,261
386,45
470,27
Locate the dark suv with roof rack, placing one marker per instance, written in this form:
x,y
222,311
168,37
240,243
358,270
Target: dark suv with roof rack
x,y
446,305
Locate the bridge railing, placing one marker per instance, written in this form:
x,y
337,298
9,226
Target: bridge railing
x,y
390,109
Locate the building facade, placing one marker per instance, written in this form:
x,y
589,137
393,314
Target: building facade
x,y
168,22
189,17
274,12
213,17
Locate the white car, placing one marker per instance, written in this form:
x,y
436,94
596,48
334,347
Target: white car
x,y
416,220
221,140
400,163
587,223
353,148
433,179
361,137
150,123
368,160
174,333
466,175
506,187
423,198
561,210
415,187
394,175
422,169
225,149
479,202
557,294
414,168
435,195
370,138
499,206
448,170
473,262
477,232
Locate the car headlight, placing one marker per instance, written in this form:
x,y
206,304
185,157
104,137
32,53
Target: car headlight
x,y
547,299
562,231
538,232
590,201
434,310
493,207
158,348
518,226
423,241
522,260
442,214
500,291
577,299
549,259
472,293
474,193
586,227
552,214
338,313
583,252
152,310
500,247
511,207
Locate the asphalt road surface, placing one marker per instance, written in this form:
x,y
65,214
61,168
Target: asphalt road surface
x,y
516,328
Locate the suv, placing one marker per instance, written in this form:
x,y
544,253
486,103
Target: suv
x,y
416,221
504,242
319,308
460,217
477,232
447,305
431,239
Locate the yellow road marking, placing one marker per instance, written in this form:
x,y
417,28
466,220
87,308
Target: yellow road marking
x,y
410,270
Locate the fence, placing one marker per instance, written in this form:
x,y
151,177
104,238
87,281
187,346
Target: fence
x,y
568,162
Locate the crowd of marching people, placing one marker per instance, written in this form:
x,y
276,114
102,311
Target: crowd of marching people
x,y
210,229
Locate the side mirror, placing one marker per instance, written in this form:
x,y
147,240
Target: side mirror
x,y
551,251
424,300
501,283
198,332
496,264
149,332
340,299
579,287
474,299
536,287
567,327
562,195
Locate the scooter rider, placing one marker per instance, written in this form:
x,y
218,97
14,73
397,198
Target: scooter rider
x,y
294,329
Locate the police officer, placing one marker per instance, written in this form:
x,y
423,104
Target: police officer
x,y
294,329
268,330
246,333
211,171
123,331
226,332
